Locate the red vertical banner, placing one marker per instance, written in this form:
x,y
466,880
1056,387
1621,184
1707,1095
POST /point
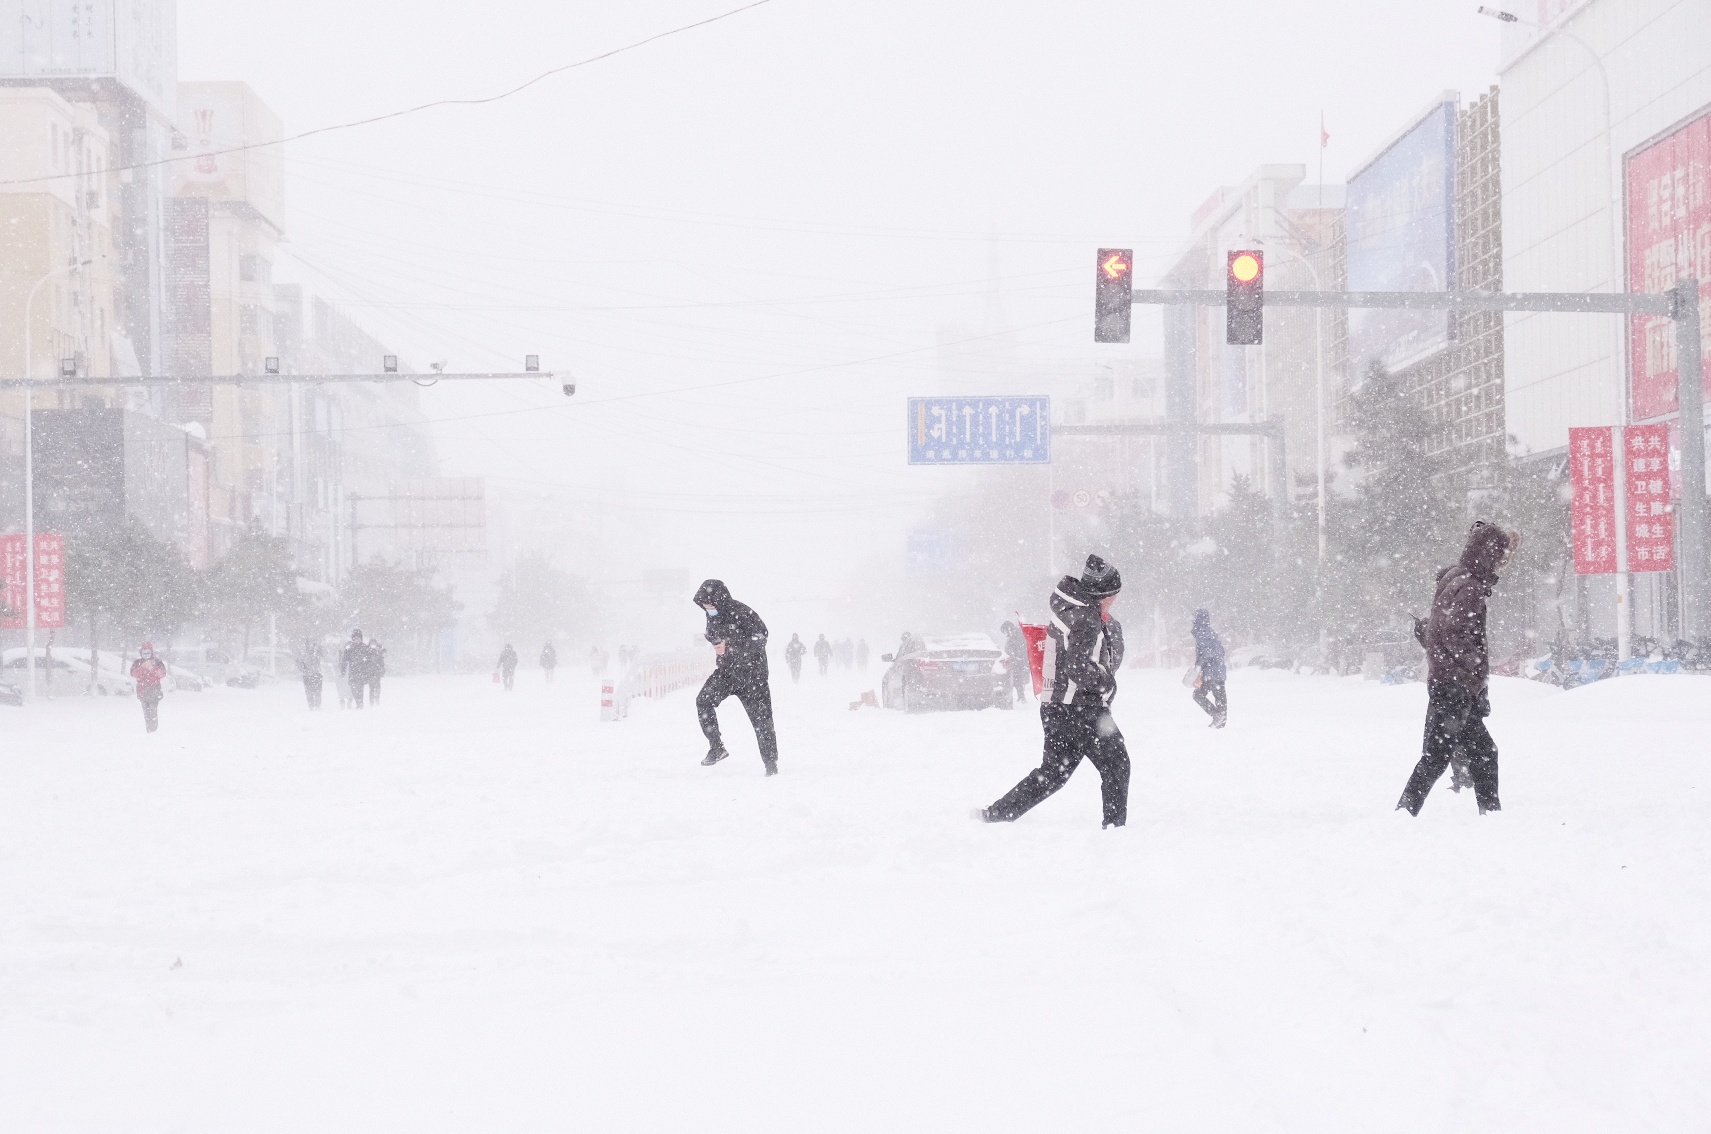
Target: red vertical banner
x,y
1651,519
50,581
1669,239
1592,475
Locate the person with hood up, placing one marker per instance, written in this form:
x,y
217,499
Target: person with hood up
x,y
1016,657
793,655
1458,672
739,639
149,671
823,654
508,666
1209,661
1084,650
549,661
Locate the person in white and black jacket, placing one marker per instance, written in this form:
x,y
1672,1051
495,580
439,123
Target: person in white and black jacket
x,y
739,639
1082,656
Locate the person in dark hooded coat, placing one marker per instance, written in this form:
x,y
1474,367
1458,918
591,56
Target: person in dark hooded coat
x,y
1209,660
1458,668
1016,656
1084,650
793,653
739,639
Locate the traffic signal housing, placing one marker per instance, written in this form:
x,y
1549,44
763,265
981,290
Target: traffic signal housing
x,y
1244,298
1113,294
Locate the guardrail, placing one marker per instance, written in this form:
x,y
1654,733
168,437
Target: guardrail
x,y
653,675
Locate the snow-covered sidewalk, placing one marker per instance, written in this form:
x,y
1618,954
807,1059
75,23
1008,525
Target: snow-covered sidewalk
x,y
467,911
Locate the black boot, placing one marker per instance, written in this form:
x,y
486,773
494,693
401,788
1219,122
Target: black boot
x,y
771,767
714,755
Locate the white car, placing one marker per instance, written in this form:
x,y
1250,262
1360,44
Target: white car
x,y
69,676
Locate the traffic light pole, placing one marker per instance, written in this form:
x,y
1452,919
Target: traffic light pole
x,y
1680,304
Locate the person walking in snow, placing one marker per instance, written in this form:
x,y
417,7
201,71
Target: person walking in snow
x,y
793,655
549,661
823,654
508,666
309,665
356,664
1209,662
739,640
1016,656
376,669
1458,672
148,672
1083,654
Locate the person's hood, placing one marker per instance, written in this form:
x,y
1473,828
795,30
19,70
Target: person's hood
x,y
1202,623
713,592
1487,547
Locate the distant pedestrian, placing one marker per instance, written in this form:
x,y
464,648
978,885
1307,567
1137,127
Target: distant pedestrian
x,y
739,641
342,685
508,666
357,664
1016,657
861,655
149,671
376,669
823,654
549,661
1087,649
1209,665
309,665
793,655
1458,672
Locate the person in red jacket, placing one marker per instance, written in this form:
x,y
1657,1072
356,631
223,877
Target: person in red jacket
x,y
149,671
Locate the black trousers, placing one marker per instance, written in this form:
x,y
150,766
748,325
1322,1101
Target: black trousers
x,y
510,678
1211,697
151,708
312,689
1072,734
1021,677
796,669
1455,728
756,697
372,684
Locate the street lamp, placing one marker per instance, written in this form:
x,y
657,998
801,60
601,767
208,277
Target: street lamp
x,y
1624,630
30,478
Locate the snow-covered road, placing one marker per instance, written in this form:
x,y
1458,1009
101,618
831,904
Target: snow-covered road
x,y
467,911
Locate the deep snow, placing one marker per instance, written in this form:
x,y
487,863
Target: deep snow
x,y
468,911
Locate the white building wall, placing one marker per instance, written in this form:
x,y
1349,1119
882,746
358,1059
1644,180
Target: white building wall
x,y
1559,218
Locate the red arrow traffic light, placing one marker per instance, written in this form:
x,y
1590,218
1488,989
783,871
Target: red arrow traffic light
x,y
1113,294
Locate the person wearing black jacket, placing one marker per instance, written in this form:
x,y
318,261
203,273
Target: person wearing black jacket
x,y
1209,661
1083,654
508,666
739,639
1458,672
549,661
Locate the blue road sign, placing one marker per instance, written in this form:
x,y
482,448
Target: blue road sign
x,y
980,431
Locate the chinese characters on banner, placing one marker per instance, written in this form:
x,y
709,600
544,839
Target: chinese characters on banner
x,y
1651,521
50,581
1592,475
1669,239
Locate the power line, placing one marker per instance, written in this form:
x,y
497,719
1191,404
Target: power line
x,y
408,110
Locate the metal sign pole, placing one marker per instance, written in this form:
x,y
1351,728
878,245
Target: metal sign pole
x,y
1691,532
1619,487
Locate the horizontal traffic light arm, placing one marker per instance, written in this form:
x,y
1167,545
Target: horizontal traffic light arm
x,y
427,379
1619,303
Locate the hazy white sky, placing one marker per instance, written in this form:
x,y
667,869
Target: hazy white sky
x,y
765,203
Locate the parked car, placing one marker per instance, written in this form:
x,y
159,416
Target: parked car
x,y
212,664
178,679
69,675
11,695
961,671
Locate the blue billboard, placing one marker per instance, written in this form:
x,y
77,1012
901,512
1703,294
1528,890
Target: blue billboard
x,y
980,431
1400,236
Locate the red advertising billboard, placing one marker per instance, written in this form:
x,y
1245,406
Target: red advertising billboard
x,y
1592,475
1651,520
1669,239
50,581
